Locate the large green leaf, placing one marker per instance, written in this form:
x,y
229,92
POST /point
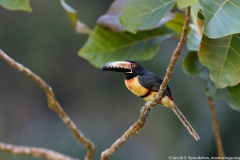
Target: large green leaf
x,y
222,57
110,20
185,3
144,14
191,65
16,5
222,17
104,45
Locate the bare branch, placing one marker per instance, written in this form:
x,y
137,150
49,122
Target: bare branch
x,y
52,103
216,128
33,152
138,125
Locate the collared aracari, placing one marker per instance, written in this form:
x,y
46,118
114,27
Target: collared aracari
x,y
146,84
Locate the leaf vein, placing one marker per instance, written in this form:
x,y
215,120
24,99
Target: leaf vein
x,y
224,61
153,10
233,66
235,51
234,4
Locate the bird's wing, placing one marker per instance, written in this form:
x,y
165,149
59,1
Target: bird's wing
x,y
152,82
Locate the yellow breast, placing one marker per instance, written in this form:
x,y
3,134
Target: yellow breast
x,y
135,87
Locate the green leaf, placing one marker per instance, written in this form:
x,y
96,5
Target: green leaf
x,y
222,57
176,23
185,3
79,26
110,20
193,40
222,17
191,65
22,5
144,14
231,96
105,45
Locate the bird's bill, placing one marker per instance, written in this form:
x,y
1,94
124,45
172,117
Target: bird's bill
x,y
118,66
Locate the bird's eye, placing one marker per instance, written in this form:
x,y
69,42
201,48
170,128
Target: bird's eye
x,y
133,65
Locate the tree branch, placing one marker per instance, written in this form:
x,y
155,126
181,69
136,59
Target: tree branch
x,y
138,125
33,152
52,103
216,128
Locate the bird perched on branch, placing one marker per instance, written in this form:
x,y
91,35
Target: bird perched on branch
x,y
146,84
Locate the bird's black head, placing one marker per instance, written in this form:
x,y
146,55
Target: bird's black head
x,y
130,68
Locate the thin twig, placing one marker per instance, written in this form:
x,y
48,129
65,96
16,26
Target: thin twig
x,y
53,104
138,125
33,152
216,128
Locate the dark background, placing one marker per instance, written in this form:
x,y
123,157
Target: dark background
x,y
97,102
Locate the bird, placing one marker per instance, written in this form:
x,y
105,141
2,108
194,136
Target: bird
x,y
146,84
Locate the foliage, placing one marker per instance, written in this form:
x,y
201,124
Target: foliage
x,y
192,66
16,5
133,29
124,45
219,53
222,57
144,15
79,26
218,15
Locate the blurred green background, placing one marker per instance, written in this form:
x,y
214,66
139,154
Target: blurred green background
x,y
98,102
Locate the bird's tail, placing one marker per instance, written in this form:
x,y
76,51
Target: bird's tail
x,y
185,122
166,101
